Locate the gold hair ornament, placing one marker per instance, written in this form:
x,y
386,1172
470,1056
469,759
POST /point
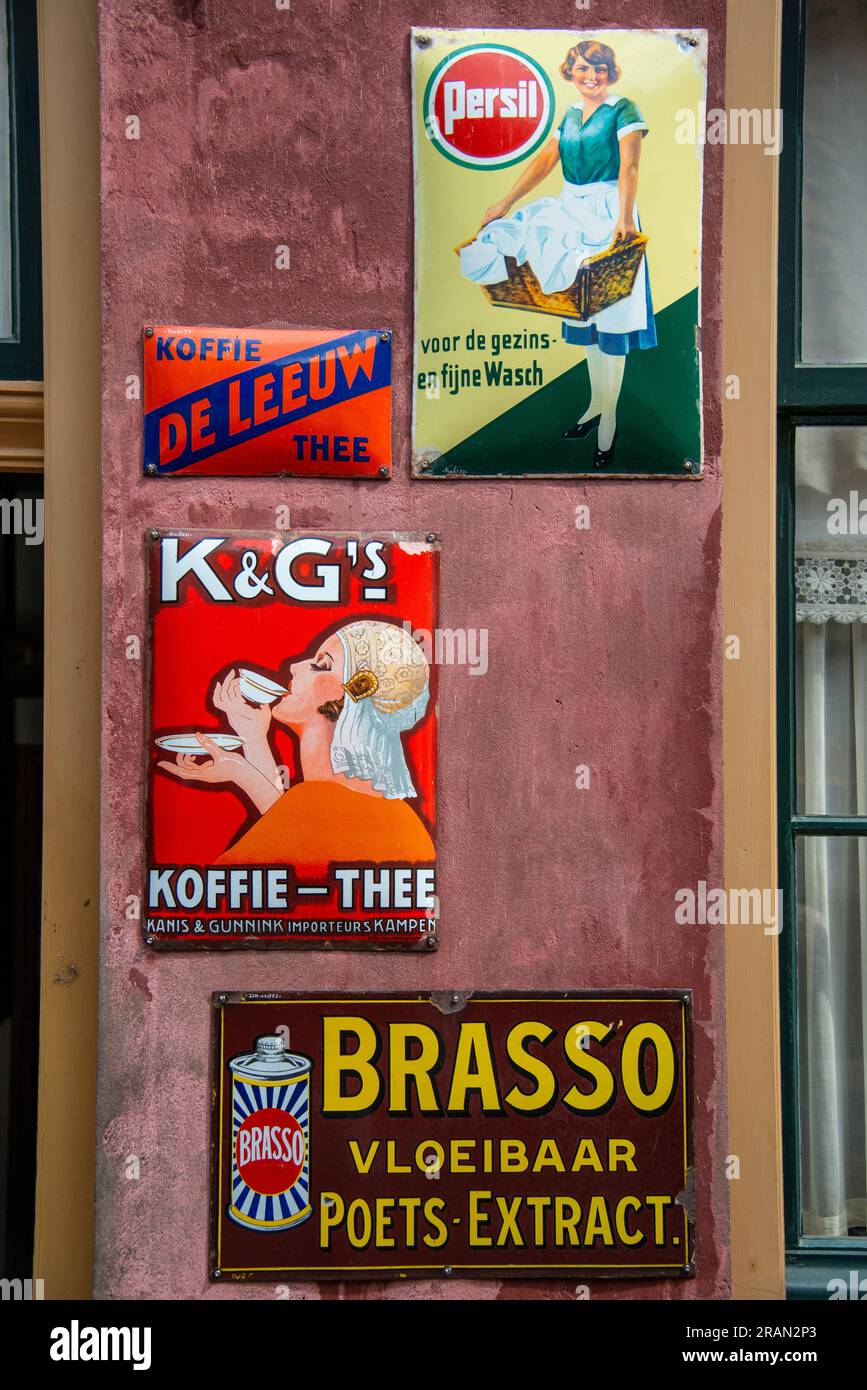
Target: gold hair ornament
x,y
362,684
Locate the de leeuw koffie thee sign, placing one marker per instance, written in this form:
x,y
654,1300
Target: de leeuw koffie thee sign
x,y
292,740
558,192
258,402
388,1135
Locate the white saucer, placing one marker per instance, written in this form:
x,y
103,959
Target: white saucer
x,y
188,743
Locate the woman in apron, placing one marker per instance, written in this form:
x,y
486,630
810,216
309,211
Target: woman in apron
x,y
598,145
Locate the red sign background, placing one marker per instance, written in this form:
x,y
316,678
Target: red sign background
x,y
196,641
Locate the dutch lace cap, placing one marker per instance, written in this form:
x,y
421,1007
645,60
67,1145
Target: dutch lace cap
x,y
386,681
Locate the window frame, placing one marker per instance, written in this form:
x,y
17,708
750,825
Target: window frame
x,y
808,395
21,353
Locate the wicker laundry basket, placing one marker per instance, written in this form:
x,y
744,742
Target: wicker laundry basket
x,y
601,281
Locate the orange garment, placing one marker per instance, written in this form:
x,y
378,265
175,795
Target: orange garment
x,y
315,824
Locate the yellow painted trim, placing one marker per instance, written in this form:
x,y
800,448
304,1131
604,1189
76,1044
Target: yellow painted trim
x,y
749,684
69,113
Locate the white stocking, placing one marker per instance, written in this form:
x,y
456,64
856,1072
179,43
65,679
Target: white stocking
x,y
596,368
612,380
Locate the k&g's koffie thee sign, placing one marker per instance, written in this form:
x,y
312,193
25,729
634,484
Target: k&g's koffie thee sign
x,y
557,243
292,740
370,1136
257,402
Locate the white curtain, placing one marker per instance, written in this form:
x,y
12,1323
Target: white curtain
x,y
832,890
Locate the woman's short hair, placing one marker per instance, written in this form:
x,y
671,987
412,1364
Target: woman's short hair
x,y
599,55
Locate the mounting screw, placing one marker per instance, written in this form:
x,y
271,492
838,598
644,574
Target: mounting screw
x,y
431,941
149,333
447,1269
222,999
423,40
423,465
151,940
383,470
218,1273
155,535
431,537
456,999
692,466
384,337
151,469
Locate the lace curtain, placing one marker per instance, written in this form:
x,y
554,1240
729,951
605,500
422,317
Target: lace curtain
x,y
831,611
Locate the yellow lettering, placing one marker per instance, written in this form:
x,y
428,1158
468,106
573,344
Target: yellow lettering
x,y
548,1156
474,1070
478,1218
600,1097
598,1223
404,1070
545,1091
337,1064
626,1236
587,1156
363,1165
331,1209
645,1035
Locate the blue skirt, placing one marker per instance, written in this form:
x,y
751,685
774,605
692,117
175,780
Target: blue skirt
x,y
617,344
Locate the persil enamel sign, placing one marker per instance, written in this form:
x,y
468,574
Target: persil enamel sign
x,y
292,741
557,253
251,402
487,106
395,1135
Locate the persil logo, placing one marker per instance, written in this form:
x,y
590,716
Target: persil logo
x,y
488,106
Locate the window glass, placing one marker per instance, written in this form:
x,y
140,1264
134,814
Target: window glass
x,y
832,970
834,187
831,613
6,320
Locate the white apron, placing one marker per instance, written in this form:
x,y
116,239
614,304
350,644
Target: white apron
x,y
553,236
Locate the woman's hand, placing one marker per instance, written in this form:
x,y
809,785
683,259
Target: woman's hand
x,y
222,766
500,209
625,229
248,721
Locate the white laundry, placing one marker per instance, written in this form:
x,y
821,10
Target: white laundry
x,y
553,236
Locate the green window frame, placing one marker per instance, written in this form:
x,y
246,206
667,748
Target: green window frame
x,y
807,395
21,352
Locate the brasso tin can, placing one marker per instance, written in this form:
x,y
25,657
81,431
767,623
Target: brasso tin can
x,y
270,1137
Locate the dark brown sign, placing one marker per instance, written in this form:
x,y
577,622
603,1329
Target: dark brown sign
x,y
400,1135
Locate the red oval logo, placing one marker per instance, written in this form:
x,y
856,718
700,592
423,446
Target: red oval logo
x,y
488,106
270,1150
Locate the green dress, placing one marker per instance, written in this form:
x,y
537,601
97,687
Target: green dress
x,y
590,150
590,159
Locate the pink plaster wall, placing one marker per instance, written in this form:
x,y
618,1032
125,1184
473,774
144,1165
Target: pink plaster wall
x,y
262,126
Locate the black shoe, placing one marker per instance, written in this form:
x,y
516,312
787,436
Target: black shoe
x,y
603,458
578,431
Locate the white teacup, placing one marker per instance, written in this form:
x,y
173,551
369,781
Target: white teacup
x,y
258,689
